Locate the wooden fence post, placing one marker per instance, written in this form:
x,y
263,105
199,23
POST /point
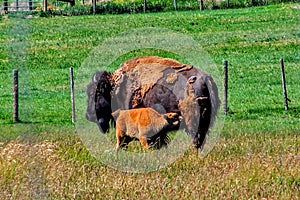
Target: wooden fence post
x,y
5,5
175,4
16,96
227,3
30,4
17,4
225,108
94,6
72,95
45,5
286,99
201,6
144,5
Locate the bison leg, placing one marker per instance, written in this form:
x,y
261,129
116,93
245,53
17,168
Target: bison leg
x,y
144,142
119,134
159,140
125,140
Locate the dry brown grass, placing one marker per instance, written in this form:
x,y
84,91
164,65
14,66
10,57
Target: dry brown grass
x,y
248,167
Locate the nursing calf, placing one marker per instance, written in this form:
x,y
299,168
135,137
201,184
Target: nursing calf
x,y
143,124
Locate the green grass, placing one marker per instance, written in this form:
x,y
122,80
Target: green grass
x,y
252,40
257,155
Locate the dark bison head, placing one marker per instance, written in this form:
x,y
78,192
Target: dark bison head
x,y
99,100
199,107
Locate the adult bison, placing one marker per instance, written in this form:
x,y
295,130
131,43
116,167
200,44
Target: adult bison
x,y
161,83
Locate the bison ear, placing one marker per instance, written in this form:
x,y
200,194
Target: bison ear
x,y
192,79
166,116
116,114
171,115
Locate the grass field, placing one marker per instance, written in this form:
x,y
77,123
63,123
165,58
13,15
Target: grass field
x,y
256,157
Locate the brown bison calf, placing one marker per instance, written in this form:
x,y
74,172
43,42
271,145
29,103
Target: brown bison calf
x,y
143,124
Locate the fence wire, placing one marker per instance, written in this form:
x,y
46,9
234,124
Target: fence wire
x,y
42,98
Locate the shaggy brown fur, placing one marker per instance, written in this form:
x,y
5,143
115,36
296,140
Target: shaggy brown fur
x,y
143,124
148,60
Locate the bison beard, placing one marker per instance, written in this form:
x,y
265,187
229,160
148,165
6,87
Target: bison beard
x,y
161,83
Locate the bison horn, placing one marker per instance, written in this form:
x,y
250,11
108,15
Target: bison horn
x,y
192,79
201,98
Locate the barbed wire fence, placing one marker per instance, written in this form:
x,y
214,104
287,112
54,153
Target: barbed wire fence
x,y
33,96
145,5
51,98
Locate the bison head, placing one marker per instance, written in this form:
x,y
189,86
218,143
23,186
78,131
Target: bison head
x,y
99,100
199,107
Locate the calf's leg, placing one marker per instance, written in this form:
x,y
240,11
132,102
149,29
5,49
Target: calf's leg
x,y
144,142
119,134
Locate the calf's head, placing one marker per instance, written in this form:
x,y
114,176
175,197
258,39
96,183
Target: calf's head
x,y
173,120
